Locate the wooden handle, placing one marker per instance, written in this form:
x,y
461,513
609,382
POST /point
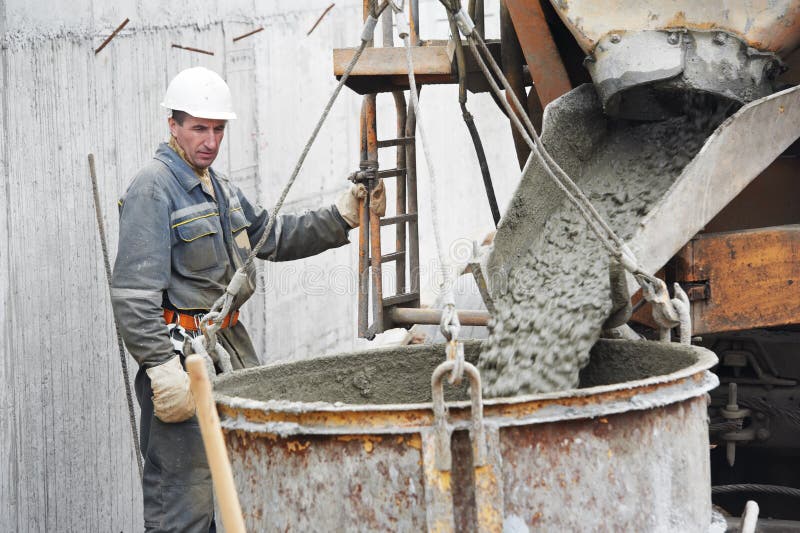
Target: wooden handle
x,y
214,444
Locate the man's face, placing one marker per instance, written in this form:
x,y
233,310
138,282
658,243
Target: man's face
x,y
199,137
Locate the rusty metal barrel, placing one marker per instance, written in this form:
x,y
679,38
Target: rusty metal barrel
x,y
349,443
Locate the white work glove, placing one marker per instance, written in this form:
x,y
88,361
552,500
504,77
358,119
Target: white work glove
x,y
172,397
350,200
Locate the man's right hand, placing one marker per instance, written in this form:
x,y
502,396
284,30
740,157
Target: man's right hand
x,y
172,397
349,201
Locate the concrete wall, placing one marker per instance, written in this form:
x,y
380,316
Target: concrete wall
x,y
66,460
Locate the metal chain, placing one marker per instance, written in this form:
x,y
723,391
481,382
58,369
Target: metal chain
x,y
126,378
212,321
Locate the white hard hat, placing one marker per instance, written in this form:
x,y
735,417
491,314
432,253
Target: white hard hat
x,y
200,92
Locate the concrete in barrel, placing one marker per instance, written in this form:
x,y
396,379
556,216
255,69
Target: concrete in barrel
x,y
627,451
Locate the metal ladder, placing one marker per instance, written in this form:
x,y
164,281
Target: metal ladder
x,y
406,254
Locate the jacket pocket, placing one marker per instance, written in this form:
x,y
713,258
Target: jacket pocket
x,y
197,246
238,220
241,239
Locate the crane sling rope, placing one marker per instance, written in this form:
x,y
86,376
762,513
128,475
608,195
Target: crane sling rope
x,y
449,323
212,321
668,312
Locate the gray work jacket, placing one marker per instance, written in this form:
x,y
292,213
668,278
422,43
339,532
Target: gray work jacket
x,y
178,248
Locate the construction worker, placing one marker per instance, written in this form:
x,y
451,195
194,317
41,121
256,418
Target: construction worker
x,y
184,230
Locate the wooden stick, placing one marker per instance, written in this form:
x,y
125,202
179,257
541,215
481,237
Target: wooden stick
x,y
221,473
248,34
113,34
314,27
191,49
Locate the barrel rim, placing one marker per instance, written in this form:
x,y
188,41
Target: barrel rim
x,y
289,417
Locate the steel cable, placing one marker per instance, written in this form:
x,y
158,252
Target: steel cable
x,y
449,324
126,378
585,212
550,162
724,427
426,150
212,321
597,224
718,490
654,289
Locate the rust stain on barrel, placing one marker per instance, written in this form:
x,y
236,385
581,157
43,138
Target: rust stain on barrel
x,y
372,467
297,446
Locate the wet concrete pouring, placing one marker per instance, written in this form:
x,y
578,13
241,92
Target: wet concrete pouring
x,y
557,296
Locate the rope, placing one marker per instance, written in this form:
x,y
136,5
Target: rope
x,y
593,218
597,224
449,324
403,31
653,289
425,148
564,185
212,321
751,487
122,359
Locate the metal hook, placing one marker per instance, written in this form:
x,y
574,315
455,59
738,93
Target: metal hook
x,y
477,434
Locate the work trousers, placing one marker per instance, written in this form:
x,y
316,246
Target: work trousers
x,y
176,488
